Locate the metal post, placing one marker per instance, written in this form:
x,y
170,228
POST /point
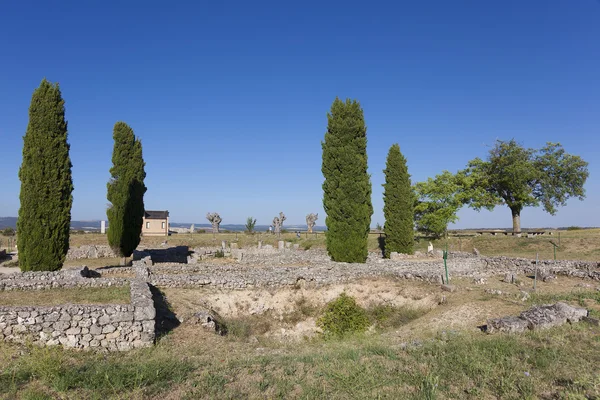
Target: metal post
x,y
554,253
446,266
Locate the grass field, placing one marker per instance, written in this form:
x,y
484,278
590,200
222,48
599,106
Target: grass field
x,y
50,297
411,361
581,244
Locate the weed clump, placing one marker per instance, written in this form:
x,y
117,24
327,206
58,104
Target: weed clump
x,y
343,316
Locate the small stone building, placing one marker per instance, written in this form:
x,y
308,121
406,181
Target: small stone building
x,y
156,223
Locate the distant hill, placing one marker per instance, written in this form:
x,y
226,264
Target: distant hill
x,y
94,225
8,222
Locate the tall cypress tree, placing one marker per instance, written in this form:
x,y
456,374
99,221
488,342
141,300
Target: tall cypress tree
x,y
46,184
347,186
398,204
125,191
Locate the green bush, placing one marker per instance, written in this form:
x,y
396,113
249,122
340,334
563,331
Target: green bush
x,y
8,231
307,245
343,316
574,228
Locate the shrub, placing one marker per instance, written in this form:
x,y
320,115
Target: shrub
x,y
219,254
343,316
574,228
8,231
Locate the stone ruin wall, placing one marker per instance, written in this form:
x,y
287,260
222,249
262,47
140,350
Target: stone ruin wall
x,y
110,327
90,251
286,267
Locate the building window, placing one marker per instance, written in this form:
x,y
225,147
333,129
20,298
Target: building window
x,y
147,225
163,225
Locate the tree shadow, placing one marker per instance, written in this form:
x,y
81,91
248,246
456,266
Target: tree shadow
x,y
166,319
177,254
381,241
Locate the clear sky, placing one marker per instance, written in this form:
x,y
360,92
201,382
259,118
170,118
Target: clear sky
x,y
230,98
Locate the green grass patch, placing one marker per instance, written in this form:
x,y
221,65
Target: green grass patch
x,y
387,316
92,375
51,297
558,363
576,296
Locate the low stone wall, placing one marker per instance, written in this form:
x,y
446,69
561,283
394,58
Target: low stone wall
x,y
69,278
108,326
287,268
90,251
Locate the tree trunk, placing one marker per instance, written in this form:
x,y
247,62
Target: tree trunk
x,y
516,218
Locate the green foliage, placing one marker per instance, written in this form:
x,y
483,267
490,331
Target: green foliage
x,y
387,316
398,204
438,201
307,245
347,185
570,228
46,184
343,316
8,231
519,177
100,375
250,224
126,191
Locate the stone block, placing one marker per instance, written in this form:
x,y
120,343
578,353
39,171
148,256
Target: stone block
x,y
108,329
73,331
144,313
506,324
123,316
95,329
448,288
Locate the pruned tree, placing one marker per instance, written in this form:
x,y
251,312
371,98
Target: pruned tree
x,y
250,224
125,191
215,220
44,219
347,185
311,221
520,177
278,223
398,204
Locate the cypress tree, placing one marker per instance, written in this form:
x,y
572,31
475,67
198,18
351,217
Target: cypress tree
x,y
398,204
347,185
46,184
125,191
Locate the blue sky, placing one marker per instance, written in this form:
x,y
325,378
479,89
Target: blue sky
x,y
230,98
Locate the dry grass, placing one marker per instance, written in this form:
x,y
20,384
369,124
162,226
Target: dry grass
x,y
51,297
577,244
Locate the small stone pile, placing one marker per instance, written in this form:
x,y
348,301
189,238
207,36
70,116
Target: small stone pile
x,y
538,317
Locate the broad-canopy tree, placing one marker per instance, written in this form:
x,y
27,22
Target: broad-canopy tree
x,y
437,202
46,196
520,177
347,185
125,191
398,204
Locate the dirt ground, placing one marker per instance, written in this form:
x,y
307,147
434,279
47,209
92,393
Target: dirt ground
x,y
465,309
